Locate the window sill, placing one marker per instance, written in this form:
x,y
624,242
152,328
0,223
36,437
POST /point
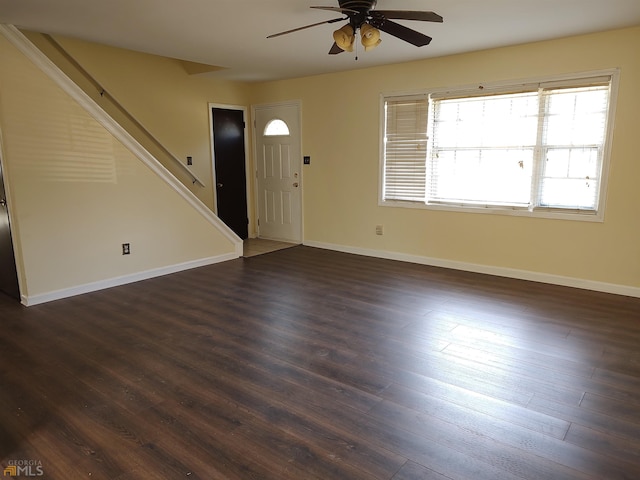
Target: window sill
x,y
560,214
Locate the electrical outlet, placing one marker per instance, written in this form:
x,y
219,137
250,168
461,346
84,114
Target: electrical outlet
x,y
189,160
126,249
379,229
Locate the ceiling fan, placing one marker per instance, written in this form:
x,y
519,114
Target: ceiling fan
x,y
362,16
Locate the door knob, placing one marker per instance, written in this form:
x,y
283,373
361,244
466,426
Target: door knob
x,y
3,202
219,185
295,184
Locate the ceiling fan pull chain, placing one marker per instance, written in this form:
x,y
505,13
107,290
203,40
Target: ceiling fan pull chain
x,y
356,48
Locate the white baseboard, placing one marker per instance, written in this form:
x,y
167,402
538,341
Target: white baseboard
x,y
114,282
486,269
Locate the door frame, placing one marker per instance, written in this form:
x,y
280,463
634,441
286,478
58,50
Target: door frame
x,y
247,161
262,106
12,224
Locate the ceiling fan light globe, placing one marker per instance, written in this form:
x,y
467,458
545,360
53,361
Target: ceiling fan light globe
x,y
344,38
368,47
370,37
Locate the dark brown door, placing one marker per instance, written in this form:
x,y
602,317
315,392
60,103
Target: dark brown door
x,y
230,172
8,274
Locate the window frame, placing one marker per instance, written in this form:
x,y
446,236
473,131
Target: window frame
x,y
567,80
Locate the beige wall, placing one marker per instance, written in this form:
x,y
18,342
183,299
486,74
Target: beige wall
x,y
76,194
341,133
165,99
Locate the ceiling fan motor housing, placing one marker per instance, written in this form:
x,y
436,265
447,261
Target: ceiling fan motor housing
x,y
363,7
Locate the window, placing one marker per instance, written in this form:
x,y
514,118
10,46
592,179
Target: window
x,y
276,127
534,149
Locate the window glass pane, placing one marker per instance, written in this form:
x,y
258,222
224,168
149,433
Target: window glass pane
x,y
569,193
576,116
276,127
497,121
578,170
488,176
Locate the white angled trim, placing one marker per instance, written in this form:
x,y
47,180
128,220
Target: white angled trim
x,y
539,277
123,280
23,44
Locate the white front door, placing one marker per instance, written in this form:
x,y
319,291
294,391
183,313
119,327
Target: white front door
x,y
279,180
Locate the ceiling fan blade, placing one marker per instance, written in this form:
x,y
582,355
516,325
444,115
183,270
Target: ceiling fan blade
x,y
337,9
306,26
403,33
335,49
408,15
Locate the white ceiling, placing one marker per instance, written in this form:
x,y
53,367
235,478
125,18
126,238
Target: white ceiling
x,y
232,33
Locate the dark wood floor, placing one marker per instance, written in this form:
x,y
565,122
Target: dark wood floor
x,y
311,364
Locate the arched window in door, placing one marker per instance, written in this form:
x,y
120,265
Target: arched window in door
x,y
276,127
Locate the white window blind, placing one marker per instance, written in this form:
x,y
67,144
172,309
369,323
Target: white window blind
x,y
405,149
534,146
